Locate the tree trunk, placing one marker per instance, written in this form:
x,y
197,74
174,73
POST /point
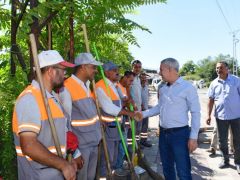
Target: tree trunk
x,y
35,31
13,36
71,33
49,33
15,50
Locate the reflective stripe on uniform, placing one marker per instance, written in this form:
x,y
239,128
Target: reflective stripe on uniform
x,y
110,119
34,127
137,138
84,122
19,153
144,135
52,149
129,141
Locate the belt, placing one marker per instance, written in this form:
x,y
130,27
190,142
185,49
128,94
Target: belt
x,y
167,130
112,126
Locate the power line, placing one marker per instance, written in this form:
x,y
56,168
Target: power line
x,y
224,16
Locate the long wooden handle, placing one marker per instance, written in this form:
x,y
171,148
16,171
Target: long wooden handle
x,y
44,95
98,109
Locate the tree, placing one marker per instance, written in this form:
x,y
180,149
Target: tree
x,y
206,67
188,68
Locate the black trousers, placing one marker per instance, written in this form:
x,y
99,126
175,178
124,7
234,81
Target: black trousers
x,y
223,126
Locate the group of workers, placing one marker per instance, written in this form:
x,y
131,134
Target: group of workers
x,y
79,112
74,109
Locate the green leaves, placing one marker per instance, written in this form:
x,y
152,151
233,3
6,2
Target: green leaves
x,y
4,18
204,69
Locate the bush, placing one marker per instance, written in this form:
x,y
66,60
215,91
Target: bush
x,y
193,77
10,88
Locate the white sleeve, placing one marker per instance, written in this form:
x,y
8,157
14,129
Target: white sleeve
x,y
106,103
151,112
28,114
66,101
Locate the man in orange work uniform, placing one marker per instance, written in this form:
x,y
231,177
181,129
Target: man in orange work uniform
x,y
36,153
79,103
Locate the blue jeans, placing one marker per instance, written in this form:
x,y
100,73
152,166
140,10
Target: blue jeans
x,y
173,147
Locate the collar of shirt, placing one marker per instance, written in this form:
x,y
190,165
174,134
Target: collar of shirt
x,y
52,95
113,86
85,86
178,81
229,77
110,83
36,85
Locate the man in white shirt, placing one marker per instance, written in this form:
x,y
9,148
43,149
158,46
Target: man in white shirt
x,y
136,93
177,98
111,107
145,98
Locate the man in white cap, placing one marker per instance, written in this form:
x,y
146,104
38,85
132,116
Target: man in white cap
x,y
36,153
79,103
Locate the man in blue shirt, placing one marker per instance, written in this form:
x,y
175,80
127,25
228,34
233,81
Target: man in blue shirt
x,y
177,98
224,93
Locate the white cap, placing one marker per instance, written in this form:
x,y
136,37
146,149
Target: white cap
x,y
52,57
86,58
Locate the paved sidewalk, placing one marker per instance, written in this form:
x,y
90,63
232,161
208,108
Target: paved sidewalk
x,y
203,165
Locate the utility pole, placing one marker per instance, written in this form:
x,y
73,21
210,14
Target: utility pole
x,y
235,41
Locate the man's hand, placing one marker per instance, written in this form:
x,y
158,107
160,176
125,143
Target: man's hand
x,y
69,171
192,145
79,161
208,121
34,149
138,116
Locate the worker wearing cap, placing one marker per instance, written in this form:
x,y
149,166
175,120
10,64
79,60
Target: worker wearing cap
x,y
78,101
111,107
145,98
136,93
36,153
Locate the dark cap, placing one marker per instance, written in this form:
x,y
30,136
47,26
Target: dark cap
x,y
136,62
109,66
143,73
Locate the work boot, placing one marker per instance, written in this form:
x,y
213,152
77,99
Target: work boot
x,y
146,144
212,151
141,146
238,168
224,164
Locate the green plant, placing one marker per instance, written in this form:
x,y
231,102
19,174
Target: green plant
x,y
10,88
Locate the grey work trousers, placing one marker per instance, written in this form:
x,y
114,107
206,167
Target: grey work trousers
x,y
112,147
90,156
144,130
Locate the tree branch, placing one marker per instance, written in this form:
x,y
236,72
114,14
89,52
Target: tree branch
x,y
47,20
23,10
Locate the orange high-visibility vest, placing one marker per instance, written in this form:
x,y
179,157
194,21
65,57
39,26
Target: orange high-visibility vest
x,y
28,168
84,118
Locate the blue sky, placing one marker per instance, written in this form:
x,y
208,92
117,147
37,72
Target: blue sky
x,y
185,30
